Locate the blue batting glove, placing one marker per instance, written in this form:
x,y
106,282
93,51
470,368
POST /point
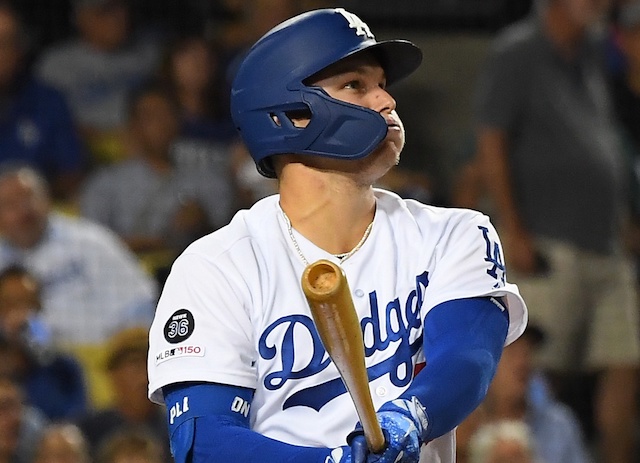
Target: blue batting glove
x,y
404,424
402,439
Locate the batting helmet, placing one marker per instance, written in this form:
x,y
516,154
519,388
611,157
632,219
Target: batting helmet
x,y
270,83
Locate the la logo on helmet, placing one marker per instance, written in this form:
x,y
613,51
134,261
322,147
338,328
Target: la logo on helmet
x,y
356,23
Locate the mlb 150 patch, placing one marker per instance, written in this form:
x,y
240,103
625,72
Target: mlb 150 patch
x,y
180,351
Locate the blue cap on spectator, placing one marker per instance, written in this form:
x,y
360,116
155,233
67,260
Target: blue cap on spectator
x,y
629,14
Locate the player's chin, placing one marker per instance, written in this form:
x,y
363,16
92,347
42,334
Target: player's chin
x,y
385,157
393,143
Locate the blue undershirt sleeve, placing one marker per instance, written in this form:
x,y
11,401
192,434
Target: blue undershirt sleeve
x,y
463,342
209,423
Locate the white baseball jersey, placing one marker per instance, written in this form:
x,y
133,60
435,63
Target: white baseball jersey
x,y
233,312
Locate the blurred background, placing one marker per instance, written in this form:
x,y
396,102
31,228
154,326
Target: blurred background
x,y
117,150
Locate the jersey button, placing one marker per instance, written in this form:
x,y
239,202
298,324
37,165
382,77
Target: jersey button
x,y
359,292
381,391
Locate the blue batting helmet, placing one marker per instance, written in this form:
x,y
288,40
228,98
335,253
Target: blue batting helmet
x,y
270,83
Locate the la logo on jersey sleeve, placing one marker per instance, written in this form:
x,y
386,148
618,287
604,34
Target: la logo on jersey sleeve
x,y
494,257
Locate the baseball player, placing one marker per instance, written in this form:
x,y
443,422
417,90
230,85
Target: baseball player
x,y
234,353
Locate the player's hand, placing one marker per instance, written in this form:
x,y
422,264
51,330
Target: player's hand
x,y
404,424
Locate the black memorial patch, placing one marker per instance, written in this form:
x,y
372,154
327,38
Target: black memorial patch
x,y
179,326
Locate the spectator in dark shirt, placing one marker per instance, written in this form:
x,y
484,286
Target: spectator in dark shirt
x,y
551,165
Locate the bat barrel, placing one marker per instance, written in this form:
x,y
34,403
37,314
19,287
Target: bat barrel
x,y
322,280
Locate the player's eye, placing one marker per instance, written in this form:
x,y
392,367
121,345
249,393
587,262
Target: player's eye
x,y
353,84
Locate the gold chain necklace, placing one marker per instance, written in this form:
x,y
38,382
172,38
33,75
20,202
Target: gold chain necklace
x,y
341,257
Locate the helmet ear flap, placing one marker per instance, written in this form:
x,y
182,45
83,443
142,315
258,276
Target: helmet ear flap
x,y
336,129
344,130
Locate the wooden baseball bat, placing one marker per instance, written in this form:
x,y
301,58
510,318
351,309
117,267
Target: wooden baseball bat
x,y
327,291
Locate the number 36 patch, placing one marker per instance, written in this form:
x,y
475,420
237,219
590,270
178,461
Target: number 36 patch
x,y
179,326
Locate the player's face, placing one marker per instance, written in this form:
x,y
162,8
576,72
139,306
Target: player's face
x,y
360,80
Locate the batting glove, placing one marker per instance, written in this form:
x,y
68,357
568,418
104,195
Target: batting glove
x,y
404,424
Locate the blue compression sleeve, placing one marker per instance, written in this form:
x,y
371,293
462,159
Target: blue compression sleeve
x,y
463,342
209,423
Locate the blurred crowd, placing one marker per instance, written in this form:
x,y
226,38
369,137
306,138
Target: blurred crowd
x,y
117,150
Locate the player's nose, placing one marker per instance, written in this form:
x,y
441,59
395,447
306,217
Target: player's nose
x,y
383,102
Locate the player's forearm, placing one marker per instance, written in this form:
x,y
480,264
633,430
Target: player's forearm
x,y
463,344
217,441
209,423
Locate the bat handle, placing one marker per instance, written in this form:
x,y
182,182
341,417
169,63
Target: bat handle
x,y
374,436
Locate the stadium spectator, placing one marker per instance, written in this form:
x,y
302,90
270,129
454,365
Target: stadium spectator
x,y
507,441
21,426
131,446
206,136
91,283
189,71
36,125
626,93
552,167
97,68
52,381
156,204
519,392
62,442
131,411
